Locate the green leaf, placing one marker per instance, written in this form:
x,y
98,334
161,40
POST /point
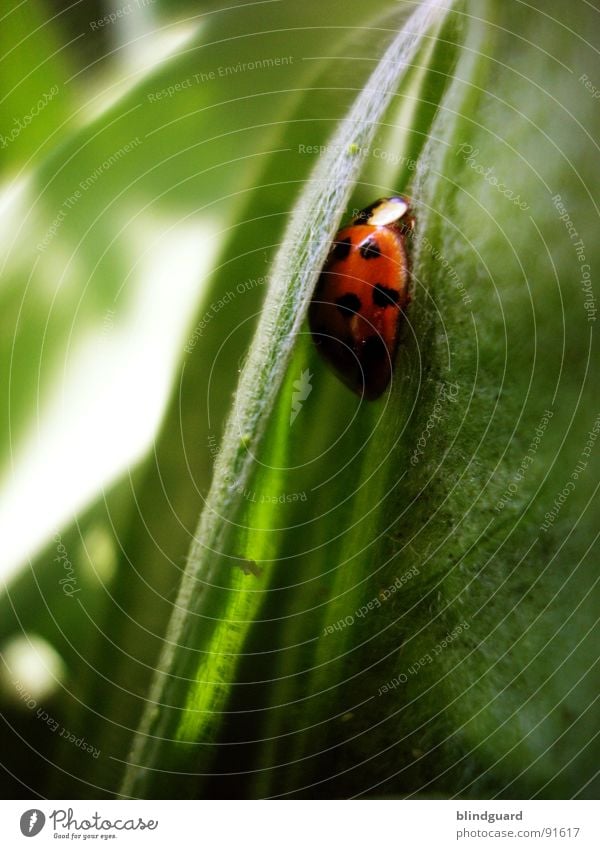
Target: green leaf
x,y
166,205
94,236
216,558
416,612
35,69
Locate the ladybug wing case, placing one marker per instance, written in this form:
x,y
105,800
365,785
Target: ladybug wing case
x,y
356,309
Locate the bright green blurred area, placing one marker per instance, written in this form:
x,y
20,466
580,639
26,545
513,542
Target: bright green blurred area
x,y
150,162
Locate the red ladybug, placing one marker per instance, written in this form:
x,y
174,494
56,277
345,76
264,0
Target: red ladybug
x,y
357,306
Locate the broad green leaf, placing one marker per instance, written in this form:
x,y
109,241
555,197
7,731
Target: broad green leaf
x,y
108,252
213,154
35,70
217,559
416,612
469,652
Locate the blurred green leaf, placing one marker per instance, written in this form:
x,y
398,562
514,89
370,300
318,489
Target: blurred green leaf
x,y
35,67
109,251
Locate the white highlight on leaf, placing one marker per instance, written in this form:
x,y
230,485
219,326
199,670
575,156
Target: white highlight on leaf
x,y
31,668
114,387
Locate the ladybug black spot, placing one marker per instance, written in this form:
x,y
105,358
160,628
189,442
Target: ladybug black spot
x,y
341,249
348,304
370,249
384,297
374,350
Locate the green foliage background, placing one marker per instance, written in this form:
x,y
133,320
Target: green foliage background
x,y
262,697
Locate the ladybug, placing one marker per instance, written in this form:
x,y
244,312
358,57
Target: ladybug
x,y
356,310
